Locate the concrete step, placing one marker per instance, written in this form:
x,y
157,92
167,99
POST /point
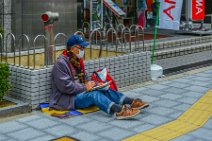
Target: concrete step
x,y
178,43
19,108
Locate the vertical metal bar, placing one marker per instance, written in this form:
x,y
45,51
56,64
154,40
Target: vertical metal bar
x,y
55,38
34,41
211,21
28,43
1,38
95,31
91,15
102,18
13,39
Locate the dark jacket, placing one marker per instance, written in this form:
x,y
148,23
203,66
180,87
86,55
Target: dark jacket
x,y
64,85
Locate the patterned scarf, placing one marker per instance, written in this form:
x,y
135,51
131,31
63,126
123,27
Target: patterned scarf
x,y
77,63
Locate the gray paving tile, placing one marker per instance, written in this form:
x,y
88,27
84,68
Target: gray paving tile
x,y
189,76
176,114
101,116
166,82
197,89
202,134
42,123
85,136
182,107
208,71
196,139
193,94
26,134
175,90
202,79
187,100
155,119
10,140
209,86
144,113
60,130
200,83
182,138
11,126
3,137
76,120
161,110
152,92
94,126
29,118
138,90
166,103
106,140
203,74
157,86
171,96
116,133
179,85
44,138
208,124
148,98
132,94
143,127
127,124
183,80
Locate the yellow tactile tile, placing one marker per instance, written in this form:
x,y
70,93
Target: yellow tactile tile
x,y
195,117
88,110
140,137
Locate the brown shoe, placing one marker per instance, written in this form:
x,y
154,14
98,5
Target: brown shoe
x,y
127,112
139,104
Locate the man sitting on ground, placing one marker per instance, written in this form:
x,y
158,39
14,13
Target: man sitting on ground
x,y
71,86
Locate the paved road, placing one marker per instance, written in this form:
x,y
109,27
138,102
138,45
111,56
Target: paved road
x,y
169,98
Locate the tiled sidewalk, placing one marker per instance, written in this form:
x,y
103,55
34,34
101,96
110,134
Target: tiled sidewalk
x,y
168,100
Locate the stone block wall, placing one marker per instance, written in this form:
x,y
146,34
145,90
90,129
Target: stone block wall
x,y
34,86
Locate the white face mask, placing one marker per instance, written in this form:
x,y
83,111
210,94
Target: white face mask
x,y
81,54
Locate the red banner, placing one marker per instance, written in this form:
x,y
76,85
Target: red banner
x,y
198,9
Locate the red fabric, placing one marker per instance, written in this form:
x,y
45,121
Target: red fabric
x,y
149,4
81,66
108,78
142,19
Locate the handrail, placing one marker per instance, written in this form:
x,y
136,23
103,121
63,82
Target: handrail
x,y
55,39
113,32
127,29
140,28
28,42
13,37
96,31
2,46
34,41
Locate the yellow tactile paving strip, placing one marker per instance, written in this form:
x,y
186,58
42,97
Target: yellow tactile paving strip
x,y
195,117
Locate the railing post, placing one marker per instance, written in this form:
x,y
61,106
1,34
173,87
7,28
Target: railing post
x,y
48,19
55,38
28,42
2,44
34,44
13,38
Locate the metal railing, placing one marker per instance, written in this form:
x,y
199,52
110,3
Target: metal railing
x,y
110,40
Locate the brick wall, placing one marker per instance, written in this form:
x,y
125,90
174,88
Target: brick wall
x,y
34,86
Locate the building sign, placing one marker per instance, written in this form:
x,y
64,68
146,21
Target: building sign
x,y
114,8
198,9
170,13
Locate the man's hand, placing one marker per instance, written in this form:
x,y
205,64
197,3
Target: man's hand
x,y
89,85
101,83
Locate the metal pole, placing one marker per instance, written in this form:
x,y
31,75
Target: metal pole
x,y
155,34
211,21
91,15
102,18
